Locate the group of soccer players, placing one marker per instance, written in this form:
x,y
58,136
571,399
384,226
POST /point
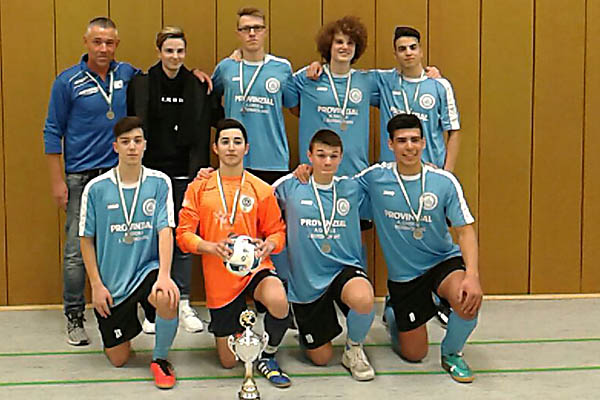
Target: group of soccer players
x,y
127,213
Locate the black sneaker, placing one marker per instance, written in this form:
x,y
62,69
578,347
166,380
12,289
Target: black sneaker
x,y
76,334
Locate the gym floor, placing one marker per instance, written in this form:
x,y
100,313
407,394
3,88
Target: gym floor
x,y
534,349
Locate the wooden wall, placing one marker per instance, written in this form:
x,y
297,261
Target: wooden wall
x,y
523,76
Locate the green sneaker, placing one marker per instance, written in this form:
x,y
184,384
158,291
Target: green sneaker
x,y
458,368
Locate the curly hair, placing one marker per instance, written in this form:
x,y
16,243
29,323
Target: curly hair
x,y
348,25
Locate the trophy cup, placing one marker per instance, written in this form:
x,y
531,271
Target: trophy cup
x,y
247,347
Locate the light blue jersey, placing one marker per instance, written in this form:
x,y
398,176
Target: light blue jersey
x,y
434,104
312,266
405,256
319,109
122,266
259,108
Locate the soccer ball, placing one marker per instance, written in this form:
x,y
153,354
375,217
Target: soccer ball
x,y
242,262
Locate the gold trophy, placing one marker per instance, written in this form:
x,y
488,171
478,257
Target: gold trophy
x,y
247,348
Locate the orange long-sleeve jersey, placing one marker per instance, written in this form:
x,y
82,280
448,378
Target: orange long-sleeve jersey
x,y
202,216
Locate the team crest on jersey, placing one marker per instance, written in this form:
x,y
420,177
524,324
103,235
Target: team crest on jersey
x,y
355,95
272,85
429,200
427,101
148,207
246,203
343,207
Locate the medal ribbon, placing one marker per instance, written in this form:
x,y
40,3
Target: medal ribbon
x,y
128,214
236,197
243,92
326,227
335,93
107,97
407,107
417,215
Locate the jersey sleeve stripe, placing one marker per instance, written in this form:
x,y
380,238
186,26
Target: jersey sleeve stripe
x,y
282,180
469,219
451,100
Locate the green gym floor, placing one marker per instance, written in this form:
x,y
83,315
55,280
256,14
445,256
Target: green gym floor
x,y
534,349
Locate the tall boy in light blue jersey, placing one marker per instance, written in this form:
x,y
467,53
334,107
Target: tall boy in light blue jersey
x,y
127,245
324,247
411,204
340,97
253,94
406,89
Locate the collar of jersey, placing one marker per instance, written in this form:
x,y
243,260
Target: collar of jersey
x,y
257,63
413,80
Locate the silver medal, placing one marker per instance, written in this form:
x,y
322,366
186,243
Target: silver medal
x,y
325,247
128,239
344,125
110,114
418,233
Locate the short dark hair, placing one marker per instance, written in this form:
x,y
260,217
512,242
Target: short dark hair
x,y
102,22
252,11
230,123
401,31
127,124
403,121
170,32
348,25
328,137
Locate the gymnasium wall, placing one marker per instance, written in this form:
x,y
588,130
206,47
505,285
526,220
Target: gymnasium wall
x,y
523,73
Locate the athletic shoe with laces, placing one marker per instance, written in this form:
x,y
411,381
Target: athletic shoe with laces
x,y
269,367
189,318
164,375
356,361
148,327
76,334
458,368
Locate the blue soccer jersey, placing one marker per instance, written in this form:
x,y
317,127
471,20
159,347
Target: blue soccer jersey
x,y
432,100
123,266
256,100
408,257
315,260
319,109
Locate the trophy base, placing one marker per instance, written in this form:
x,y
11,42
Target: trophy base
x,y
249,391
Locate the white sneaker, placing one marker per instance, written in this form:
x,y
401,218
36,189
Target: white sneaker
x,y
148,327
189,318
356,361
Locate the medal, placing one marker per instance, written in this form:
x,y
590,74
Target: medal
x,y
336,97
236,197
245,92
325,246
110,114
128,239
128,214
417,230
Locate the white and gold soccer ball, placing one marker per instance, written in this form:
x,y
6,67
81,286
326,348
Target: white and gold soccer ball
x,y
242,262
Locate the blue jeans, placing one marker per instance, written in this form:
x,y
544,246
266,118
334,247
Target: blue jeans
x,y
181,270
73,269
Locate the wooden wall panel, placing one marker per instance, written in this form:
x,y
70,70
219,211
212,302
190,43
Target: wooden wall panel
x,y
32,244
506,111
227,39
557,147
137,22
3,271
590,281
198,20
454,46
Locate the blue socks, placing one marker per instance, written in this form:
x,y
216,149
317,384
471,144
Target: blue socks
x,y
457,333
359,325
392,328
165,334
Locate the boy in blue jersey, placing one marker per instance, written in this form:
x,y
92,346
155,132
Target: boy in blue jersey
x,y
411,204
253,90
127,246
339,98
324,246
407,89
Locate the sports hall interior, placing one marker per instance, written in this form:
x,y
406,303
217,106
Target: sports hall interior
x,y
525,75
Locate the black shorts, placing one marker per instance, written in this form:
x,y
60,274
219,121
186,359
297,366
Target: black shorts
x,y
317,321
122,324
413,302
268,176
225,321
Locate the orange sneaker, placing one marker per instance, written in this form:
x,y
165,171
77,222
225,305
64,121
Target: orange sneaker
x,y
164,375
